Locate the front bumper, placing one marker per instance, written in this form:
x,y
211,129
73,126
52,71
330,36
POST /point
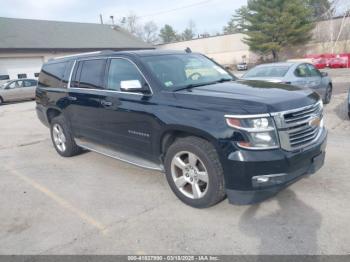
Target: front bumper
x,y
256,176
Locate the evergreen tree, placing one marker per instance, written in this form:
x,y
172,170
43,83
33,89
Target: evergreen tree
x,y
168,34
189,32
273,25
237,21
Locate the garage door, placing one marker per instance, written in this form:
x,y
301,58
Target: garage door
x,y
17,67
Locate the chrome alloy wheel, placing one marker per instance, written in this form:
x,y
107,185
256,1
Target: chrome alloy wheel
x,y
190,175
59,137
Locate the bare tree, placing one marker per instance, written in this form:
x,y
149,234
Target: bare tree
x,y
150,32
131,24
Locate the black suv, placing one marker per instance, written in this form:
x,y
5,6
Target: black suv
x,y
182,113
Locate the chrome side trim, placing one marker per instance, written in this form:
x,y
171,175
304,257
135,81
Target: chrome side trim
x,y
71,74
116,155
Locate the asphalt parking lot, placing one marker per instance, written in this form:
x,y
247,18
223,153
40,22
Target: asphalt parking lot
x,y
92,204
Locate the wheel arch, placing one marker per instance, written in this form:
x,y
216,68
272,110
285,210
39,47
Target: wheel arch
x,y
51,113
169,136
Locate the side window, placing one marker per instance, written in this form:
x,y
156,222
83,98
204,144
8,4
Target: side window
x,y
122,70
12,85
313,70
92,74
16,84
302,71
29,83
51,74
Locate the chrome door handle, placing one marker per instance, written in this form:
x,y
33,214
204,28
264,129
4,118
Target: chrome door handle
x,y
72,98
106,103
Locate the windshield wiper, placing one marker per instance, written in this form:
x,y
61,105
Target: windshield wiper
x,y
222,80
190,86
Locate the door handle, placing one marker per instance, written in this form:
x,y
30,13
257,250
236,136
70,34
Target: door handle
x,y
72,98
106,103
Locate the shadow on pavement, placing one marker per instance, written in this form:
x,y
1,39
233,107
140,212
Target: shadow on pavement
x,y
289,229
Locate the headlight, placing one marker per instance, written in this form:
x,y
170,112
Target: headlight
x,y
258,132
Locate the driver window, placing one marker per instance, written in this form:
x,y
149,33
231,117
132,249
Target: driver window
x,y
302,71
13,85
122,70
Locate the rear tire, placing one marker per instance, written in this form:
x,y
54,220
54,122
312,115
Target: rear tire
x,y
1,101
194,172
62,138
328,95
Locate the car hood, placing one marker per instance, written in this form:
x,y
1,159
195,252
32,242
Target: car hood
x,y
251,97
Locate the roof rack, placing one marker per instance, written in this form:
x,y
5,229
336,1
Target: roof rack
x,y
84,54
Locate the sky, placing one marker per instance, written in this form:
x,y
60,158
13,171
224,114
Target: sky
x,y
209,16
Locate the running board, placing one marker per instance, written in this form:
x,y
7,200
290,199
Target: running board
x,y
122,156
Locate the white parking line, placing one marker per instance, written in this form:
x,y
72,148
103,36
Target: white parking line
x,y
59,200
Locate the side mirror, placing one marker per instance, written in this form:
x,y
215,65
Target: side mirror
x,y
324,74
132,86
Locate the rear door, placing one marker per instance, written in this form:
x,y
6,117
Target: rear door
x,y
315,78
29,88
84,95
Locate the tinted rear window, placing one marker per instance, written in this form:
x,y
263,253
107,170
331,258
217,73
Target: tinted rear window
x,y
92,74
51,75
268,71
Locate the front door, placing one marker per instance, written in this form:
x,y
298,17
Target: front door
x,y
14,91
125,120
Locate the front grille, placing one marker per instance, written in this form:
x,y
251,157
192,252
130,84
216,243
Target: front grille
x,y
299,128
302,115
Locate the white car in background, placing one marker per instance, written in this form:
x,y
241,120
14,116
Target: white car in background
x,y
15,90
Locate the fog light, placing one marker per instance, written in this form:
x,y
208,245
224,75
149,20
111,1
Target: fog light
x,y
269,180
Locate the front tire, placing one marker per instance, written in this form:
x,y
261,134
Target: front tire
x,y
1,101
194,172
62,138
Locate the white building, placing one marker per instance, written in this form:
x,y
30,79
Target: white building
x,y
25,44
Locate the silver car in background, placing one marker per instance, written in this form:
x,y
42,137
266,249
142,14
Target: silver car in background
x,y
298,74
15,90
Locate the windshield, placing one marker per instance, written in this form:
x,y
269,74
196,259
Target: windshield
x,y
181,70
267,71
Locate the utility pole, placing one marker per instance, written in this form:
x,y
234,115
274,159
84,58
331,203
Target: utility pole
x,y
112,18
101,19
